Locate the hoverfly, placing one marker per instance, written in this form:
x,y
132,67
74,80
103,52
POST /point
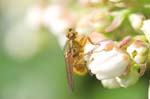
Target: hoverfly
x,y
74,55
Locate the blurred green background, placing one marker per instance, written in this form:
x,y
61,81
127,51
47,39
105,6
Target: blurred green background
x,y
43,76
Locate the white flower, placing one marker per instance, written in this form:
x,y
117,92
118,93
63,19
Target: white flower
x,y
96,1
91,2
122,81
104,45
34,17
96,20
138,51
20,43
57,18
115,0
110,83
108,64
145,28
100,19
130,79
83,26
54,17
61,40
149,91
136,21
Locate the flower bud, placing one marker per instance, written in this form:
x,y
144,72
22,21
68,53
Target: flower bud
x,y
108,64
119,17
145,28
130,79
110,83
136,21
138,51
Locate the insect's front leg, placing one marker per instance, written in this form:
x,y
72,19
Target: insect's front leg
x,y
91,52
93,43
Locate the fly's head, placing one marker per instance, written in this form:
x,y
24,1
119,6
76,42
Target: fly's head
x,y
71,34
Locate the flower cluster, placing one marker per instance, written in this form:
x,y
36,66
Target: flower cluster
x,y
119,60
116,65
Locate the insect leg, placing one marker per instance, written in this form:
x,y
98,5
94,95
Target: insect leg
x,y
94,43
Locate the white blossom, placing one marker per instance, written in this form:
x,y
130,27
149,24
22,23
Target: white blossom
x,y
129,79
149,91
54,17
99,19
145,28
136,21
34,16
21,43
61,40
110,83
108,64
57,18
83,26
91,2
115,1
96,20
138,51
96,1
